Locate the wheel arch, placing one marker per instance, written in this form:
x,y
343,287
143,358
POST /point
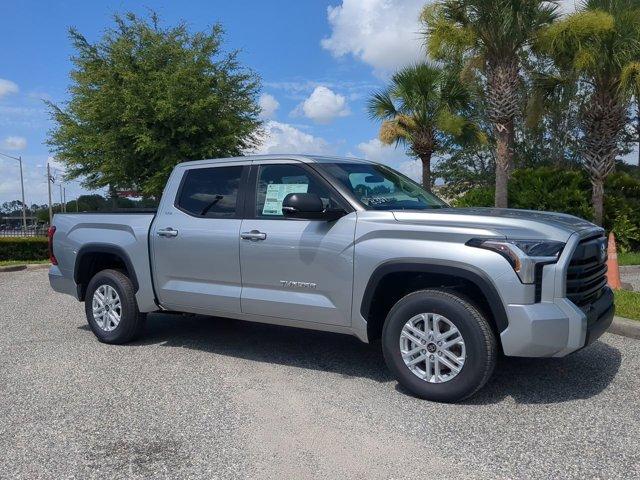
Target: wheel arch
x,y
465,279
94,257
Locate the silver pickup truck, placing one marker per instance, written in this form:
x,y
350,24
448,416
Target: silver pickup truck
x,y
347,246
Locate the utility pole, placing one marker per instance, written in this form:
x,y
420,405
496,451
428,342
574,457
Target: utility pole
x,y
61,204
64,196
24,207
49,189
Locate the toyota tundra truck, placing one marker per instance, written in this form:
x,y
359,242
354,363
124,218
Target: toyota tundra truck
x,y
347,246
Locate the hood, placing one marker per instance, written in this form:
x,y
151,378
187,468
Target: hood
x,y
512,223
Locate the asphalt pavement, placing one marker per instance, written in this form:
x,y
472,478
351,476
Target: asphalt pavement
x,y
202,397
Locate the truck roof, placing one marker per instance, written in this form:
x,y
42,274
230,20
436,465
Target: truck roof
x,y
284,156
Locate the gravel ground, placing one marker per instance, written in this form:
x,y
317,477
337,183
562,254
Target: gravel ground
x,y
216,398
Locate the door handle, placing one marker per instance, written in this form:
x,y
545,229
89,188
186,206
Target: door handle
x,y
253,235
167,232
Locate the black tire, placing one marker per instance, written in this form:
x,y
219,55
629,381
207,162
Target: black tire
x,y
479,340
131,320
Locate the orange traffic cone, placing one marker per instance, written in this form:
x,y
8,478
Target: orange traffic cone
x,y
613,271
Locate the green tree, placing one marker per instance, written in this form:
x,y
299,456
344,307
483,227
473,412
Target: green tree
x,y
490,36
145,97
424,109
599,47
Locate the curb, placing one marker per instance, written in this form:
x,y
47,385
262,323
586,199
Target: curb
x,y
625,327
32,266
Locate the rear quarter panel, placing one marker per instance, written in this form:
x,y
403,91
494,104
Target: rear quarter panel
x,y
126,231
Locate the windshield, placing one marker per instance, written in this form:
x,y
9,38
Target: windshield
x,y
378,187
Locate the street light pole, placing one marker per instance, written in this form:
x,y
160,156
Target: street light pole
x,y
49,189
24,207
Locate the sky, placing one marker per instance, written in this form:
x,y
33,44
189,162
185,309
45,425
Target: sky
x,y
318,62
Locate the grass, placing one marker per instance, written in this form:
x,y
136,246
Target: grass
x,y
629,258
8,263
627,304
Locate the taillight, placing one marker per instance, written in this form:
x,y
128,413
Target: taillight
x,y
52,257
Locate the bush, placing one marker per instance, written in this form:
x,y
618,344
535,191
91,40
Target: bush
x,y
569,191
29,248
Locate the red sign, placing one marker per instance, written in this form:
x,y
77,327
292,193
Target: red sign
x,y
128,193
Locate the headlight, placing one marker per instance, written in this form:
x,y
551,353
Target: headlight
x,y
523,255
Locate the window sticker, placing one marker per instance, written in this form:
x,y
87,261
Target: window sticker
x,y
276,193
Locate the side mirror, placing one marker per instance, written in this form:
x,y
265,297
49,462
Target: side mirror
x,y
308,206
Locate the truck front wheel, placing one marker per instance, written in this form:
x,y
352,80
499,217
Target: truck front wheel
x,y
111,308
438,345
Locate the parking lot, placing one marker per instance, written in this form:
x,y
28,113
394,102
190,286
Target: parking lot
x,y
206,397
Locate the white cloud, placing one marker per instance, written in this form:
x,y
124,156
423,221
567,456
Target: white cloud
x,y
284,138
382,33
7,87
14,143
323,105
377,151
268,105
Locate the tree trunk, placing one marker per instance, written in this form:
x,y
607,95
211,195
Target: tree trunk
x,y
638,131
603,119
597,198
425,158
504,162
503,107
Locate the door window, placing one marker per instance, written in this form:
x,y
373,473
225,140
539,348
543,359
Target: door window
x,y
275,182
210,192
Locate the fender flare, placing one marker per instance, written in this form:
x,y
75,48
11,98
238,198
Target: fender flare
x,y
469,273
105,248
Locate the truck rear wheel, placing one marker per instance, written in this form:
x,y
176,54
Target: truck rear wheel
x,y
111,308
438,345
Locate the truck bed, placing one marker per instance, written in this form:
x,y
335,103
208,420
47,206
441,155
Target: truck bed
x,y
124,232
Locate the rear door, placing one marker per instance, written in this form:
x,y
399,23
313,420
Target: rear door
x,y
195,237
293,268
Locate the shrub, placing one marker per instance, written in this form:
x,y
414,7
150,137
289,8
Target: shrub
x,y
29,248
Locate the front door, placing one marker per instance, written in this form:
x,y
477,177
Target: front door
x,y
291,268
196,262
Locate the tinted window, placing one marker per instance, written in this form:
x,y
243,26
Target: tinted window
x,y
211,192
277,181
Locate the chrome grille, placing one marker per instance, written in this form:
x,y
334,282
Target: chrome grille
x,y
586,275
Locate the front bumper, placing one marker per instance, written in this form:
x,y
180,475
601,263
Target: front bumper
x,y
555,326
555,329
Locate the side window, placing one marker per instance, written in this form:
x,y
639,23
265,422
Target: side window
x,y
210,192
275,182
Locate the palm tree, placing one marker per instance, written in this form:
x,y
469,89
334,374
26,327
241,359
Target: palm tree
x,y
490,36
599,47
424,109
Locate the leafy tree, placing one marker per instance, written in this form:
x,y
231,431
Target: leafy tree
x,y
599,47
145,97
490,36
424,109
